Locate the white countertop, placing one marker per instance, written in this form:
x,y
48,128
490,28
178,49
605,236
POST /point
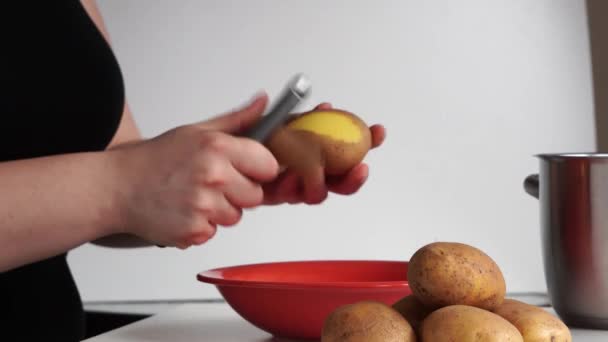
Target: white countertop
x,y
219,323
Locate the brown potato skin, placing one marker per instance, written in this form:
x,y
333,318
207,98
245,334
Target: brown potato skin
x,y
467,323
339,156
296,150
413,311
534,323
449,273
366,321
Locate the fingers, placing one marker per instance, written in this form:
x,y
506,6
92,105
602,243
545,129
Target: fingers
x,y
313,180
241,191
247,156
216,209
239,120
253,160
291,187
225,170
228,167
200,239
287,188
323,106
231,167
351,182
205,233
284,189
378,135
225,214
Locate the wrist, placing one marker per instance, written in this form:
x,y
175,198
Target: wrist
x,y
118,187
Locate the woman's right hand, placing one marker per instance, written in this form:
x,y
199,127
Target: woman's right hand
x,y
179,186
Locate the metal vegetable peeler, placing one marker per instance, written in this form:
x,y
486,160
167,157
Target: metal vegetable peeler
x,y
297,89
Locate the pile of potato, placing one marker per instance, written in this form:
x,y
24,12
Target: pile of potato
x,y
458,294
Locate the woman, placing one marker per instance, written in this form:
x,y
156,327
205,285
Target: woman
x,y
74,168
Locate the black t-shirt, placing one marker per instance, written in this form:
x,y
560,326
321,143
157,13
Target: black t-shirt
x,y
62,92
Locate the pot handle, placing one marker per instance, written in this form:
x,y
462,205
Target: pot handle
x,y
531,185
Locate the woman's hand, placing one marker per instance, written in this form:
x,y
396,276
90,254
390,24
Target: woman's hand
x,y
289,188
180,185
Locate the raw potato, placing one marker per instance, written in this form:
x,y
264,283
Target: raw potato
x,y
343,137
412,310
467,324
294,150
534,323
366,321
449,273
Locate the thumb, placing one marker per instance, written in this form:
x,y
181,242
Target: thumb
x,y
238,120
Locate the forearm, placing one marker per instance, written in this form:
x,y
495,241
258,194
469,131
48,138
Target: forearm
x,y
52,204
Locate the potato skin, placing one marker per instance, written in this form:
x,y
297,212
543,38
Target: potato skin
x,y
366,321
467,323
534,323
339,156
413,311
296,150
449,273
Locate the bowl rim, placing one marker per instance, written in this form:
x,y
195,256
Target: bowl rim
x,y
214,276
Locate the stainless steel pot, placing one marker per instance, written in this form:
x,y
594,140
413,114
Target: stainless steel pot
x,y
573,194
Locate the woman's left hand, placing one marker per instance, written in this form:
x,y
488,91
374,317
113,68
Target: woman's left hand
x,y
288,187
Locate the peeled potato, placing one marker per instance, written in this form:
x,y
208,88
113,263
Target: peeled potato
x,y
412,310
534,323
449,273
344,139
366,321
467,323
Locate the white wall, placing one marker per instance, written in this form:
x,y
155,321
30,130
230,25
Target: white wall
x,y
468,91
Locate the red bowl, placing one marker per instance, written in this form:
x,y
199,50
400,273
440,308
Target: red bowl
x,y
292,299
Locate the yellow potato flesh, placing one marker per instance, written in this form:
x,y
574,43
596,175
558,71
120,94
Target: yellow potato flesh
x,y
330,124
